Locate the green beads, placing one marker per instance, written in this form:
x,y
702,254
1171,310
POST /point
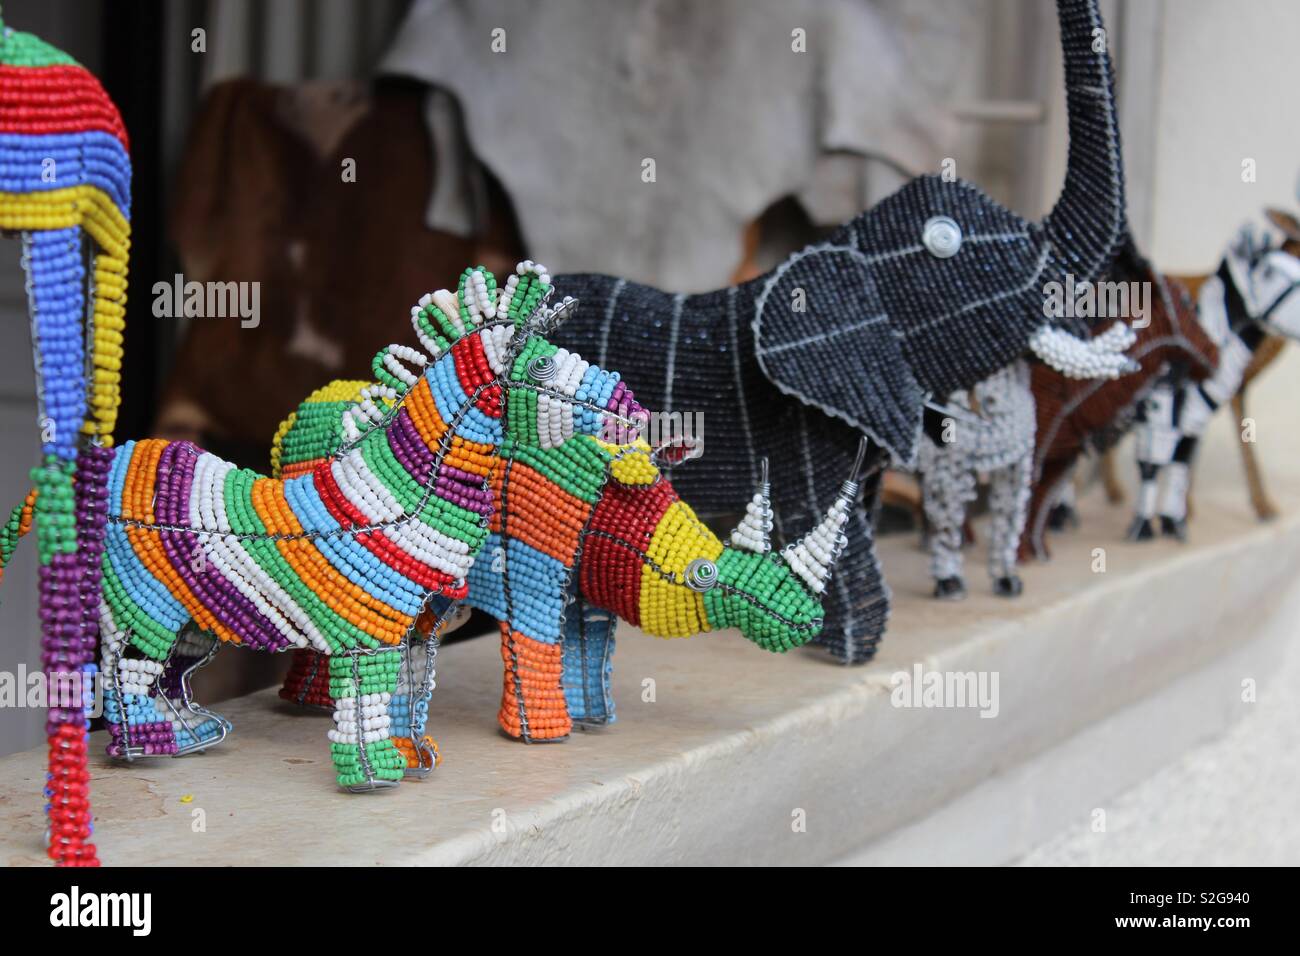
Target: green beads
x,y
56,525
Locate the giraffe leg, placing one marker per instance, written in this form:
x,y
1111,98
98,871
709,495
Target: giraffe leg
x,y
588,664
362,684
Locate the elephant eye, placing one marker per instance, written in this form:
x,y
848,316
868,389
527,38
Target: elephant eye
x,y
701,575
941,236
543,369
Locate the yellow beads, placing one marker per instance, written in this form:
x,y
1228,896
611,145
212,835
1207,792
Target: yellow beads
x,y
93,210
630,464
671,610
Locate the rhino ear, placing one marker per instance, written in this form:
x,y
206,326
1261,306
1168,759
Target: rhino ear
x,y
676,451
822,335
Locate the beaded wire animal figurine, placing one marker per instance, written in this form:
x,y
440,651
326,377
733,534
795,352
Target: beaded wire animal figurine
x,y
639,551
343,556
995,437
1255,292
1000,443
929,292
65,191
1077,417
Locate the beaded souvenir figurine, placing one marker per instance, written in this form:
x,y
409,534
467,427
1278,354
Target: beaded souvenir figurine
x,y
1080,417
641,555
65,191
343,554
995,437
929,292
1255,292
1000,443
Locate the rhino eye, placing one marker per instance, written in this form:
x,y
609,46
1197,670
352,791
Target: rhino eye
x,y
701,575
543,369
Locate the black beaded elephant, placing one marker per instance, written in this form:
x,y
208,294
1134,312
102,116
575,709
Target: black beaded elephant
x,y
926,293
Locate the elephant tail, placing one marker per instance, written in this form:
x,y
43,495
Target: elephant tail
x,y
19,523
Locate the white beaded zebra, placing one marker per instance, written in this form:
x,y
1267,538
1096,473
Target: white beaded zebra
x,y
1255,292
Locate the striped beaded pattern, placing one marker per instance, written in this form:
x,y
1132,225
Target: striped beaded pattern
x,y
65,186
341,554
605,508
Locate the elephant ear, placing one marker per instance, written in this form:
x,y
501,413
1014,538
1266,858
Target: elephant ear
x,y
822,336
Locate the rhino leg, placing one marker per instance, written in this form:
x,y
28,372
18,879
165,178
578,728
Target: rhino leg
x,y
588,664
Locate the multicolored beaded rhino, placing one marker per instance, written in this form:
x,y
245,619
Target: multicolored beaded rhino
x,y
641,554
345,556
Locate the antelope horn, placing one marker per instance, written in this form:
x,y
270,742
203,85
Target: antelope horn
x,y
813,556
754,533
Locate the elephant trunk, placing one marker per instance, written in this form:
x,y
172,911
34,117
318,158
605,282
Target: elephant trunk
x,y
1088,222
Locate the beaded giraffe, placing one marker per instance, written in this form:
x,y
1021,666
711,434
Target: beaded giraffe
x,y
615,519
65,190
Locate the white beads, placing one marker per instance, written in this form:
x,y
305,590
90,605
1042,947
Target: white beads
x,y
365,718
813,557
754,532
1100,357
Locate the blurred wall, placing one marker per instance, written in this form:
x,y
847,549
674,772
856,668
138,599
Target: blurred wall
x,y
1228,79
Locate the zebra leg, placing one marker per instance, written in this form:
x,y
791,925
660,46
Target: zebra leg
x,y
1173,496
1156,438
588,663
131,665
1009,503
948,486
196,727
362,683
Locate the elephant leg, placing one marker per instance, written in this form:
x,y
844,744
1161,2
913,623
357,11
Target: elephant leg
x,y
362,683
949,487
1009,504
588,663
533,708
